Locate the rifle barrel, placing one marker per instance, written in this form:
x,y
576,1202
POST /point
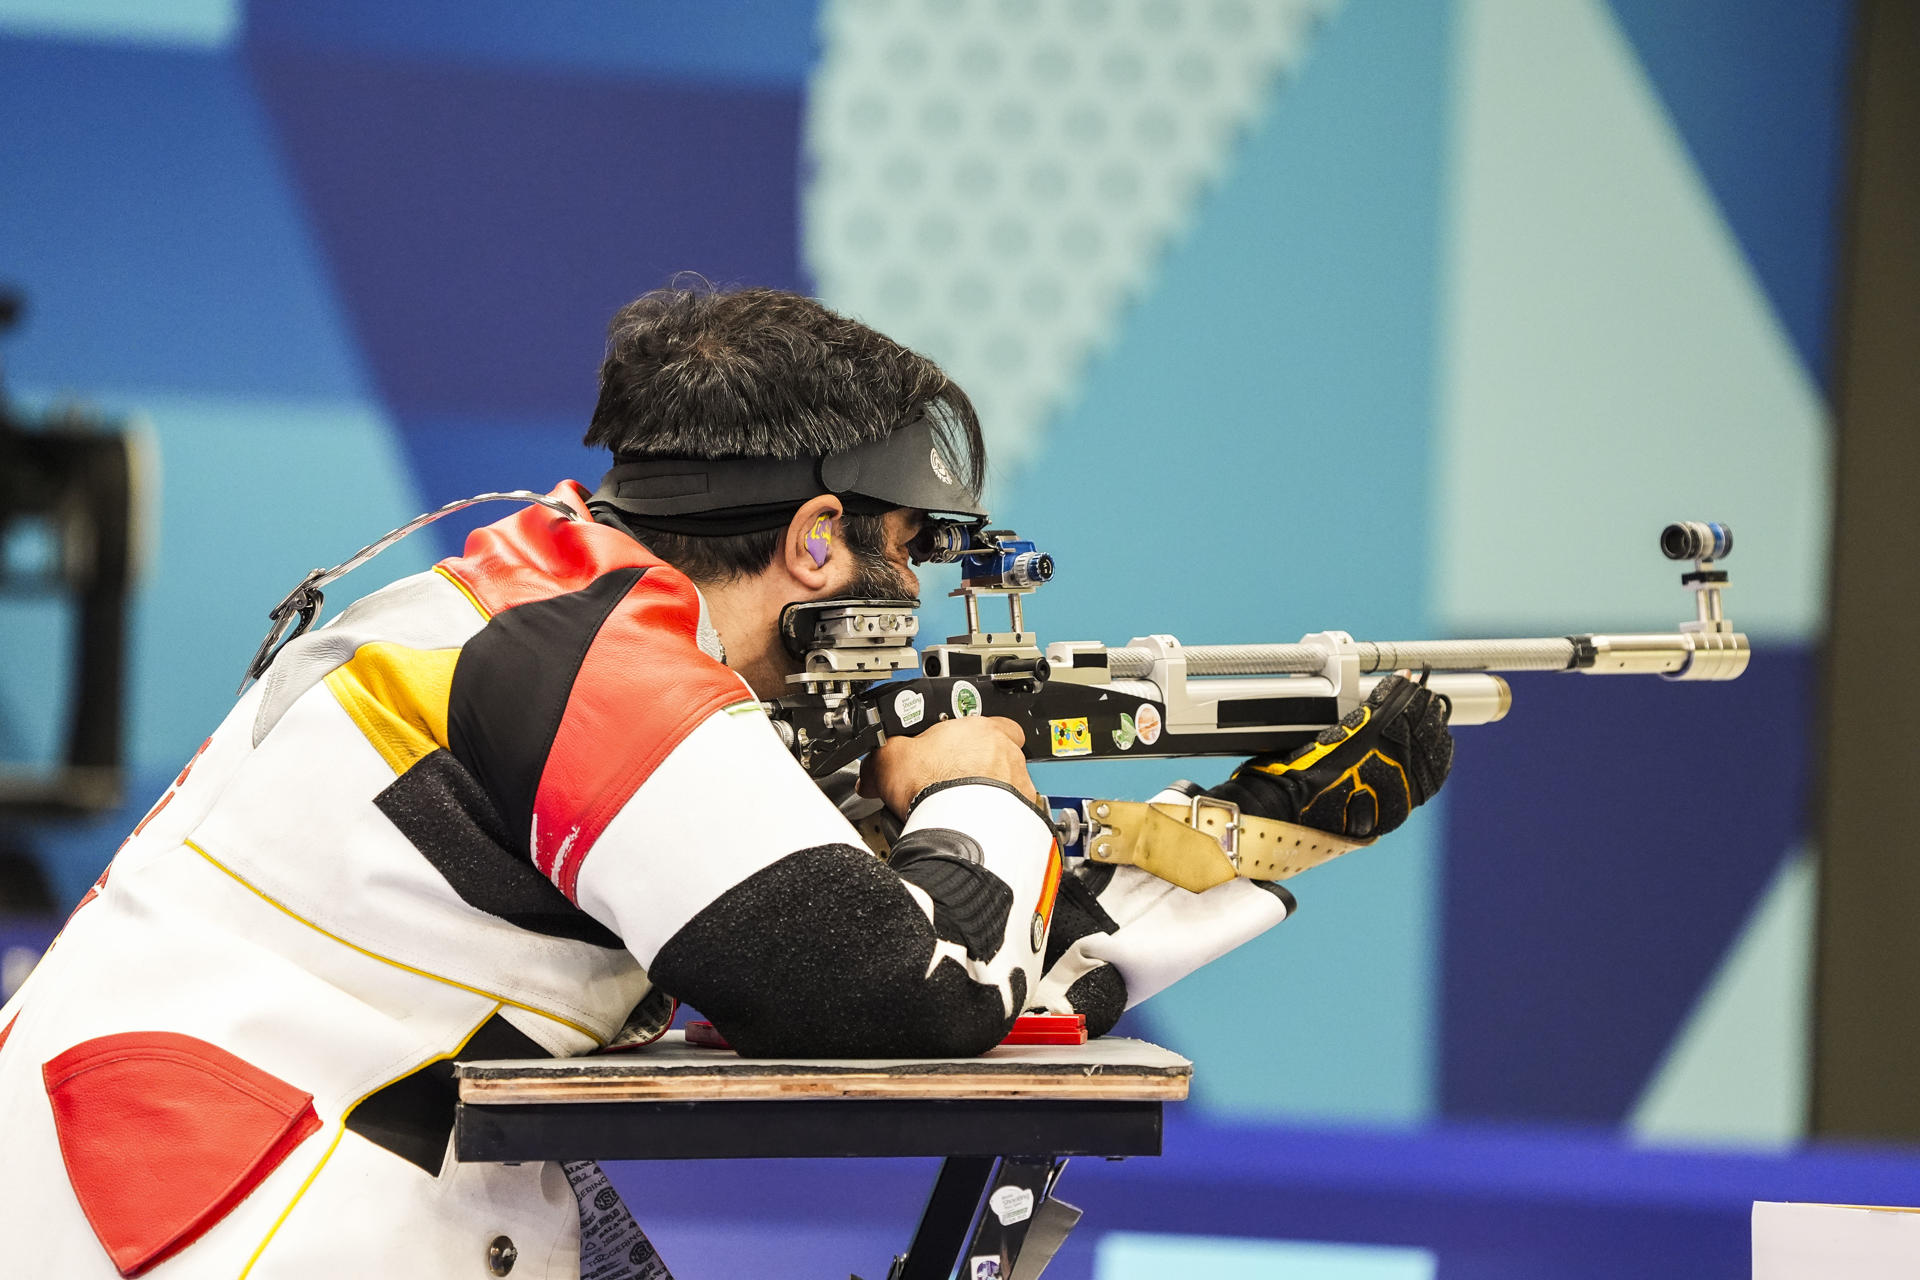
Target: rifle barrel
x,y
1557,653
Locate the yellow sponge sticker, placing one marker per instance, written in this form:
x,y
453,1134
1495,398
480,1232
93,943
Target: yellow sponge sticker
x,y
1071,737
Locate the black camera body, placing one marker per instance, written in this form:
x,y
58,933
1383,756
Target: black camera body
x,y
68,481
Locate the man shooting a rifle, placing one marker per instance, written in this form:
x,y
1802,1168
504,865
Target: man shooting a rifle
x,y
513,805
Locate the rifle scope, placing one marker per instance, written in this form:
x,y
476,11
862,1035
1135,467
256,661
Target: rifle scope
x,y
993,560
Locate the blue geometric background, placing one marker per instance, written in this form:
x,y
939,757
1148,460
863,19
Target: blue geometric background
x,y
355,260
1296,322
1755,88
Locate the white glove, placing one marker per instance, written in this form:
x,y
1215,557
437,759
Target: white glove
x,y
1120,935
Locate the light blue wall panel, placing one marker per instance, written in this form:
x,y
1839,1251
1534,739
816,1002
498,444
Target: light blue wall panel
x,y
1249,463
190,23
36,635
1133,1255
1612,361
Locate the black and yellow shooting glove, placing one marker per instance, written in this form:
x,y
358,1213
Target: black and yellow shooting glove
x,y
1361,777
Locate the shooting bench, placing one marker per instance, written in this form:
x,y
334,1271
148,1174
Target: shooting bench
x,y
1021,1108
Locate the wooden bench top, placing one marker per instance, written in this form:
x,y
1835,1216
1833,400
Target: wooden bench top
x,y
671,1070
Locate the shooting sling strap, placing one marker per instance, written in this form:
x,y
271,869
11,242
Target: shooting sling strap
x,y
1206,842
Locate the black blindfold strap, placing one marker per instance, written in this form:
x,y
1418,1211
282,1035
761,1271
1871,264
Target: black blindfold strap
x,y
906,469
655,487
720,524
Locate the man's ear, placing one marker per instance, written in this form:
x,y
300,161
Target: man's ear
x,y
809,542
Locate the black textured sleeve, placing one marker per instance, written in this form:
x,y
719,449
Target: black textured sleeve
x,y
1101,994
1077,911
825,954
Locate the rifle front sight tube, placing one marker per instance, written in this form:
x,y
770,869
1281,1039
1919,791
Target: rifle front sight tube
x,y
1549,654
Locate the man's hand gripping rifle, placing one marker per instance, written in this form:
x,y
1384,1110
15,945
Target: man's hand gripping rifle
x,y
1155,697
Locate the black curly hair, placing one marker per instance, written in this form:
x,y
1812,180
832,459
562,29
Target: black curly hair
x,y
695,371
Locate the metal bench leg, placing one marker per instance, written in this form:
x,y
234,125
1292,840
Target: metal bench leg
x,y
1019,1202
950,1210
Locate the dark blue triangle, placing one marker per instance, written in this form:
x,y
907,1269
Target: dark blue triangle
x,y
460,455
484,224
1758,91
1606,845
767,44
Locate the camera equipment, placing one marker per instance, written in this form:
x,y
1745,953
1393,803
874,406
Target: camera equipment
x,y
73,485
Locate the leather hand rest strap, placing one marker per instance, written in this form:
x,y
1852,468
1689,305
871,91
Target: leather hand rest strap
x,y
1184,845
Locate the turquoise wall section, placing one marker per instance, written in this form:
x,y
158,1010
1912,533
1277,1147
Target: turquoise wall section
x,y
1293,332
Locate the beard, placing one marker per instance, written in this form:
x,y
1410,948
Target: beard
x,y
877,578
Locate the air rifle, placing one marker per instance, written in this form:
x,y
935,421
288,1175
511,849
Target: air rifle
x,y
1157,698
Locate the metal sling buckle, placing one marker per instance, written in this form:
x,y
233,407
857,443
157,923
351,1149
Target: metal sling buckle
x,y
306,599
1230,837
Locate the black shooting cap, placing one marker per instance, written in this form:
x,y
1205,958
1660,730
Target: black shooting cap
x,y
910,467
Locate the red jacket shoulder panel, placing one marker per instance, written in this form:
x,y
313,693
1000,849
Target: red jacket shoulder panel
x,y
535,554
642,687
638,691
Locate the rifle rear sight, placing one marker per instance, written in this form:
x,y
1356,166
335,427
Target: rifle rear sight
x,y
993,562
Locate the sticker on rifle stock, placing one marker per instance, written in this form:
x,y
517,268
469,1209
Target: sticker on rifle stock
x,y
1011,1205
984,1267
1146,723
1071,737
966,700
910,707
1123,736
